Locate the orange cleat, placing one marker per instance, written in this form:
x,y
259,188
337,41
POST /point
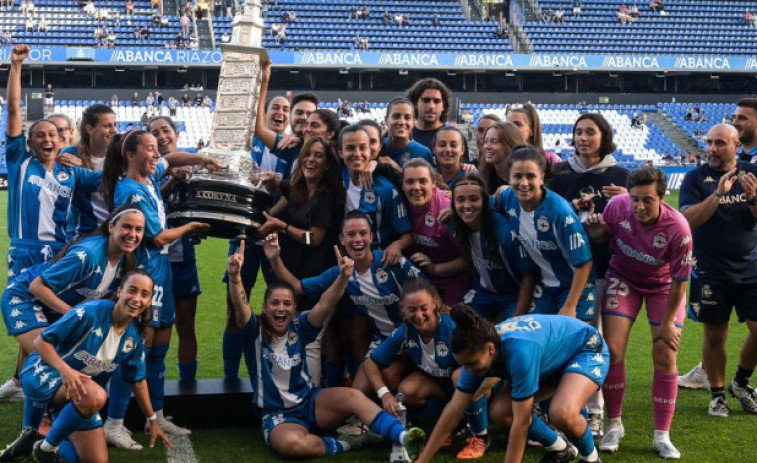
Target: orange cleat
x,y
475,449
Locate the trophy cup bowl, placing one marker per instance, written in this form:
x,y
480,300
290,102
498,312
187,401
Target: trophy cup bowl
x,y
226,200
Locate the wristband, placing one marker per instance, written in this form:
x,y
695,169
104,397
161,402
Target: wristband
x,y
153,417
382,392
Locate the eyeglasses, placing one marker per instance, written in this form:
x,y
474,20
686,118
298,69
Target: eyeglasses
x,y
63,129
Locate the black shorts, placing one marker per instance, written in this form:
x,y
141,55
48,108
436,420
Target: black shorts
x,y
711,301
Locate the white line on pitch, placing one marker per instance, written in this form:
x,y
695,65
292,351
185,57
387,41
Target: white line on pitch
x,y
184,452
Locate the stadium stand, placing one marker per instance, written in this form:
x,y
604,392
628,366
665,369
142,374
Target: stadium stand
x,y
688,26
714,112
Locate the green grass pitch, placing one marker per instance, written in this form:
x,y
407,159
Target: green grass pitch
x,y
699,437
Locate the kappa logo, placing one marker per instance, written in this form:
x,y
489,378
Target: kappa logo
x,y
625,224
15,313
511,212
590,311
659,240
575,365
411,344
79,312
686,240
98,332
569,221
19,325
16,300
136,198
596,371
99,270
542,224
709,179
53,382
82,255
598,358
40,317
593,340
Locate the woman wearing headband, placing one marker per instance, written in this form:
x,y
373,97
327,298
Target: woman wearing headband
x,y
88,268
131,175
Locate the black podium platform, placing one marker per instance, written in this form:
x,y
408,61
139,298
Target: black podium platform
x,y
205,403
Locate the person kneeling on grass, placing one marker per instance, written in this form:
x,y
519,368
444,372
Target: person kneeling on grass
x,y
538,356
74,359
290,406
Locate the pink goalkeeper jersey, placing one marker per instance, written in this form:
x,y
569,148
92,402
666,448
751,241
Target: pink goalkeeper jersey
x,y
434,239
648,255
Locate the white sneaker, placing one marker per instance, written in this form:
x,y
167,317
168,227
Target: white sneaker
x,y
118,436
666,449
694,379
746,395
168,427
11,392
597,425
719,408
613,435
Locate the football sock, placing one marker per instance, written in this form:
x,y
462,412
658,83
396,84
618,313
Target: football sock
x,y
664,393
66,423
118,397
742,376
334,374
387,426
477,416
432,409
156,374
33,414
334,446
232,354
67,452
541,433
614,389
717,392
187,371
584,444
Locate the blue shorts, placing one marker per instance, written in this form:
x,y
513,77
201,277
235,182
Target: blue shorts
x,y
23,254
304,415
549,301
712,301
22,315
159,267
41,382
254,260
186,281
494,307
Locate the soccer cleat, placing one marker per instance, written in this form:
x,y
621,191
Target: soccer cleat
x,y
666,449
365,440
566,455
168,427
476,447
11,392
694,379
22,446
746,395
613,436
353,427
719,408
45,457
597,425
414,442
118,436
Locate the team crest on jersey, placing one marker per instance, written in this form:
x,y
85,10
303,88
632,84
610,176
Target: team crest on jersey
x,y
741,174
292,338
62,176
128,345
659,240
382,276
441,349
542,224
370,196
709,179
430,220
706,292
612,302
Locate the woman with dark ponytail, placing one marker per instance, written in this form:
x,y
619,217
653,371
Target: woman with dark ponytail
x,y
538,356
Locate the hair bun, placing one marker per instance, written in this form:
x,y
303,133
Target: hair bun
x,y
464,317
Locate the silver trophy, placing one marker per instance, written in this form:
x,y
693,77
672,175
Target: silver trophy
x,y
228,199
399,454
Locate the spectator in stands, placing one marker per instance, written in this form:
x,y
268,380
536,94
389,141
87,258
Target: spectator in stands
x,y
7,37
436,20
634,11
155,5
49,95
89,8
198,100
43,24
657,6
144,120
207,101
184,22
149,101
22,7
576,8
387,17
114,101
111,39
30,8
137,33
623,15
364,45
146,33
225,37
30,24
275,29
105,14
185,101
155,20
200,144
365,13
353,12
399,19
559,16
200,8
66,129
117,18
281,34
